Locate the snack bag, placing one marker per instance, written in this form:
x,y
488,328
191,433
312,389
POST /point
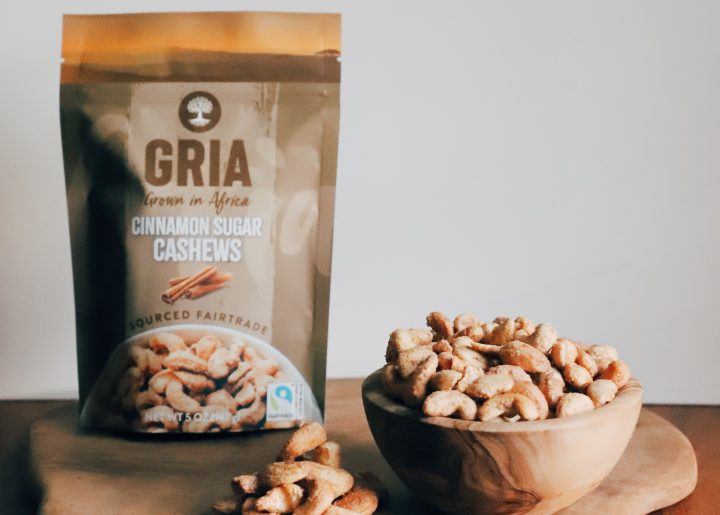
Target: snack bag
x,y
200,156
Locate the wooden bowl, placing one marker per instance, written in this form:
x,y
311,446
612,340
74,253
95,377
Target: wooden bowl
x,y
461,466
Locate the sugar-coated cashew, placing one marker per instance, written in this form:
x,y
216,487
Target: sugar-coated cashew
x,y
514,371
543,338
340,479
185,360
445,380
472,357
577,376
441,346
504,331
195,383
248,508
460,341
468,378
409,360
360,499
602,391
448,403
250,416
475,332
417,386
280,472
404,339
448,361
146,360
166,342
552,386
532,392
177,398
464,321
328,454
617,372
441,324
563,352
525,356
524,326
159,381
319,499
489,386
223,399
205,346
160,416
246,394
573,404
245,484
508,405
308,437
281,499
585,360
604,355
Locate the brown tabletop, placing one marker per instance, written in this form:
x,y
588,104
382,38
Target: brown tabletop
x,y
346,423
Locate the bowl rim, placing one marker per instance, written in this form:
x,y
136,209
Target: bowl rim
x,y
628,398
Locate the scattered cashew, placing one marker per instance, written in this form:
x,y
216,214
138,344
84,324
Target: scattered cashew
x,y
328,454
305,439
281,499
246,484
275,474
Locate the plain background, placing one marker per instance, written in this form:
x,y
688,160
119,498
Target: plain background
x,y
559,160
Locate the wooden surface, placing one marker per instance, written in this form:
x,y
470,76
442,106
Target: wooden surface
x,y
536,467
346,423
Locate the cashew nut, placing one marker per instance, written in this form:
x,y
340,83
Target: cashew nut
x,y
448,403
472,357
280,472
327,454
448,361
205,346
445,380
552,386
543,338
281,499
564,352
464,321
245,484
577,376
468,378
602,391
532,392
250,416
185,360
518,374
440,324
246,394
503,332
195,383
308,437
166,342
489,386
222,399
409,360
525,356
508,405
618,372
573,404
417,386
177,398
604,355
585,360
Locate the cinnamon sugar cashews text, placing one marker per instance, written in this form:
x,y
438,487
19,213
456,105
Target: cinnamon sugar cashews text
x,y
202,385
510,369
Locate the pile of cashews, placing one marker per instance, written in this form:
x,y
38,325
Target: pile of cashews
x,y
507,370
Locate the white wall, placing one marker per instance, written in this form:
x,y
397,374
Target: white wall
x,y
555,159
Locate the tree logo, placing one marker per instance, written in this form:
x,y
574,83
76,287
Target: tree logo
x,y
199,111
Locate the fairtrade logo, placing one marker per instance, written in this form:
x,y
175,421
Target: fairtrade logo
x,y
199,111
281,394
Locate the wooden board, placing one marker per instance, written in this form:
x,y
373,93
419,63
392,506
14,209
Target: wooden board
x,y
80,473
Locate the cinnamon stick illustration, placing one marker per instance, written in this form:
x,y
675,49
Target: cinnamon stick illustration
x,y
206,281
179,289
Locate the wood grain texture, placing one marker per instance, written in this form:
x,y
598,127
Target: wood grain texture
x,y
475,467
346,424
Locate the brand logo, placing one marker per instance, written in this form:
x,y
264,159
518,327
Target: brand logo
x,y
283,402
199,111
